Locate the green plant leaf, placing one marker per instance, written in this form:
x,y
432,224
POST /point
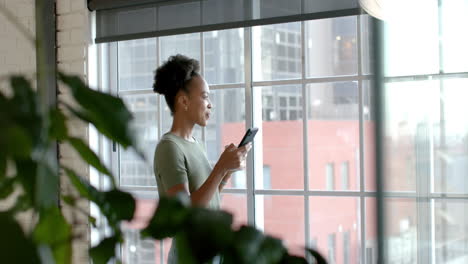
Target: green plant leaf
x,y
118,206
23,203
26,172
3,163
105,251
319,259
169,217
114,204
271,251
6,187
68,199
288,259
214,227
15,246
246,245
24,97
54,231
18,141
90,157
58,128
84,188
106,112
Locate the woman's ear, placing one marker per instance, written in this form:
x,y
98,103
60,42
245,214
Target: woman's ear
x,y
183,101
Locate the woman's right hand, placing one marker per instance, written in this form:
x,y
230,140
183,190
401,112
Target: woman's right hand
x,y
233,158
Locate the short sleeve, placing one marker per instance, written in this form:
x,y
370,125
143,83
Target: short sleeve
x,y
170,164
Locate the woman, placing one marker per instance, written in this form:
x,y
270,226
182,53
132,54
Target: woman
x,y
180,161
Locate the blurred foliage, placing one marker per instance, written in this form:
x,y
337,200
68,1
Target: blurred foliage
x,y
22,166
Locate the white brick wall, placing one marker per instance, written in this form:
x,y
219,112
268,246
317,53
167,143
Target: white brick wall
x,y
18,56
72,46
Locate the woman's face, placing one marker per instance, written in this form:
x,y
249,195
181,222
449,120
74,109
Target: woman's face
x,y
199,104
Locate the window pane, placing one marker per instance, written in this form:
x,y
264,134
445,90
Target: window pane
x,y
371,231
454,42
367,48
136,64
369,136
226,126
283,217
331,47
135,249
411,133
236,204
333,127
451,231
224,56
334,228
282,138
134,171
411,45
187,44
451,150
276,52
401,231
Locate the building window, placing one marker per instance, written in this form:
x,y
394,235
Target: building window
x,y
345,175
330,176
332,248
346,247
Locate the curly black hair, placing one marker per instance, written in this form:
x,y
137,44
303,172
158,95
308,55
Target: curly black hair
x,y
174,75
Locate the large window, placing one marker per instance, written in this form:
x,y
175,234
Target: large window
x,y
307,86
303,85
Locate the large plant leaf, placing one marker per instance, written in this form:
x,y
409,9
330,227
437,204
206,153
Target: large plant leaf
x,y
106,112
54,231
84,188
58,127
26,174
118,206
214,227
169,217
246,245
271,251
6,187
89,156
319,259
15,246
18,142
105,251
114,204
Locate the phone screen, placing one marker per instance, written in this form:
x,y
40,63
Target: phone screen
x,y
249,136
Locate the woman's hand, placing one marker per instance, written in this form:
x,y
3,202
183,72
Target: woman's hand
x,y
233,158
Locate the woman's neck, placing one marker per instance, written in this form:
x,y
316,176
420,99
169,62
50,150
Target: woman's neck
x,y
182,127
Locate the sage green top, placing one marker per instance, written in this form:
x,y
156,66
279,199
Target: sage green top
x,y
177,161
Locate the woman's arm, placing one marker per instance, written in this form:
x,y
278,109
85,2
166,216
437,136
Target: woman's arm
x,y
231,159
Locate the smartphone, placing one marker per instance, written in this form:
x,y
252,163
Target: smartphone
x,y
249,136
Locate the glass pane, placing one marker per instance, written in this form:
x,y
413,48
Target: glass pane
x,y
451,231
226,126
134,171
282,138
236,204
335,228
224,56
367,48
187,44
454,42
411,45
136,63
331,47
333,127
411,133
276,52
371,253
135,249
140,251
401,231
451,150
369,136
282,217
